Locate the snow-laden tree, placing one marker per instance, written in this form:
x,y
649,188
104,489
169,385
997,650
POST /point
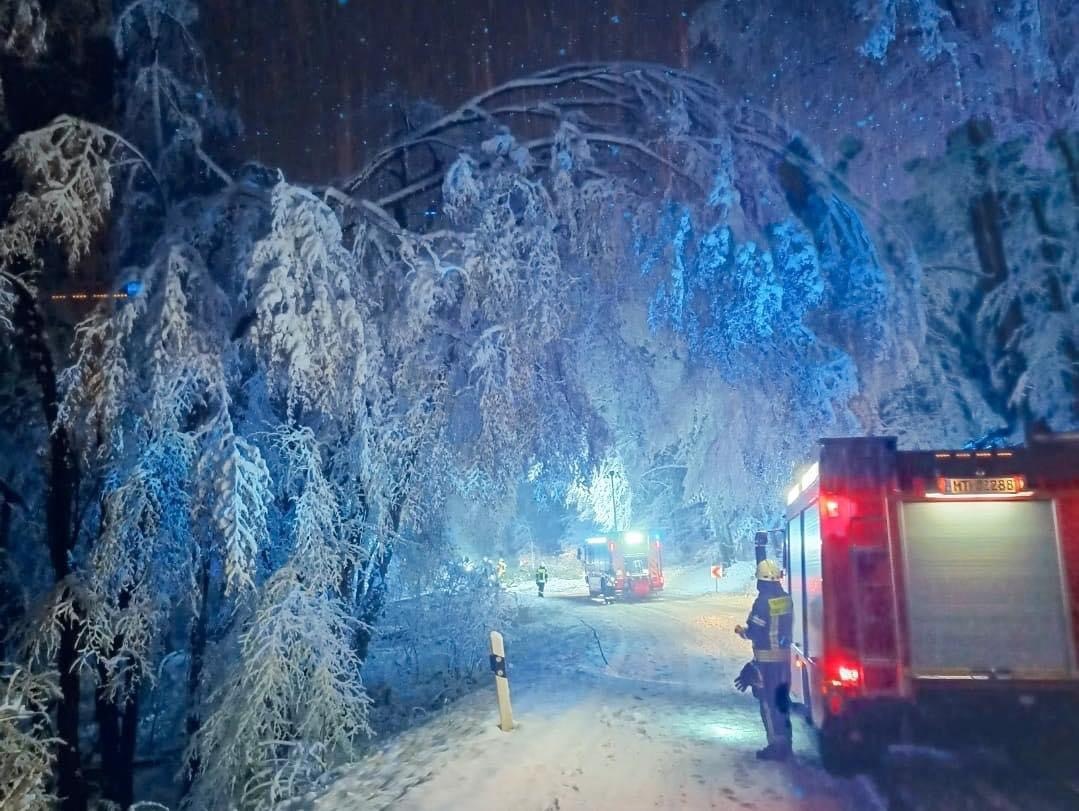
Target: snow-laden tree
x,y
741,262
27,744
925,17
293,701
1001,247
68,173
595,262
434,636
172,395
174,403
23,30
1025,28
106,602
308,326
603,495
67,169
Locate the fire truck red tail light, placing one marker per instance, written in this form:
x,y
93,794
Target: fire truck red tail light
x,y
831,508
845,673
849,675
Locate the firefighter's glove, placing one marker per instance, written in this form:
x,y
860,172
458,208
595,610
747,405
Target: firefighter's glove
x,y
749,677
740,630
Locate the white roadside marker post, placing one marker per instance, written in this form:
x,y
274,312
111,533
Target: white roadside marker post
x,y
502,682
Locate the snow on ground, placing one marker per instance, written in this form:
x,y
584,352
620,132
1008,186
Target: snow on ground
x,y
657,726
738,578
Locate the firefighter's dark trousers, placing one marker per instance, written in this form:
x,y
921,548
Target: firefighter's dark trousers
x,y
540,585
775,703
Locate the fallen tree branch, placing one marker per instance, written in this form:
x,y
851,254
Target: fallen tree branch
x,y
598,643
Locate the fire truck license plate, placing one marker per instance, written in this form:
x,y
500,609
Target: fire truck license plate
x,y
996,484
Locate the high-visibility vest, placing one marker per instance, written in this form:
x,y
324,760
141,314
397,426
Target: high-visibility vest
x,y
770,625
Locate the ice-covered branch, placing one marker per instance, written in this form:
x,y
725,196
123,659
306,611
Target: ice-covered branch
x,y
66,168
595,98
27,743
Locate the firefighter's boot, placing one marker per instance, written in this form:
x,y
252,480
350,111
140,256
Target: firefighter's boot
x,y
774,751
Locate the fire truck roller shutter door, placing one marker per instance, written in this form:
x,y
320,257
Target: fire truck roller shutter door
x,y
984,589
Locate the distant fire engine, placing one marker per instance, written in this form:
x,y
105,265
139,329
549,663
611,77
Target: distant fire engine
x,y
934,592
627,563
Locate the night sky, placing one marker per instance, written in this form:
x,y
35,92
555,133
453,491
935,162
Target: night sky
x,y
315,81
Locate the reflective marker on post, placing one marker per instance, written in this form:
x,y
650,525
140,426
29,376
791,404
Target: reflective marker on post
x,y
502,682
717,572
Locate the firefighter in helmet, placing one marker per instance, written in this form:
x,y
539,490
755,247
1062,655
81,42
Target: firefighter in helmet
x,y
769,629
541,578
500,569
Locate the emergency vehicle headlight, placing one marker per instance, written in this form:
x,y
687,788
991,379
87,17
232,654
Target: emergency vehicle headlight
x,y
596,540
634,537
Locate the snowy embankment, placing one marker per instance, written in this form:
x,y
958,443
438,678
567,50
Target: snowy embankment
x,y
695,581
623,706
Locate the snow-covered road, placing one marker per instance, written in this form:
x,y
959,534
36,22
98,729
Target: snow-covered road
x,y
659,726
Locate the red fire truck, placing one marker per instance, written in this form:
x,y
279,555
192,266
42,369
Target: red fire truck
x,y
935,593
624,564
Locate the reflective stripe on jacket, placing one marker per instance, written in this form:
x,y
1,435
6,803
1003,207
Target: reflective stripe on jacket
x,y
770,623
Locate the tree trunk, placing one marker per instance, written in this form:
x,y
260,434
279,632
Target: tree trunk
x,y
199,627
107,715
70,784
987,230
129,727
373,599
372,602
1068,145
76,79
117,727
10,609
61,483
117,723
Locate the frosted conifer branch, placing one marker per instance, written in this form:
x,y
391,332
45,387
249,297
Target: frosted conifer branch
x,y
926,18
66,168
295,701
95,386
309,320
141,562
153,14
23,28
27,744
241,496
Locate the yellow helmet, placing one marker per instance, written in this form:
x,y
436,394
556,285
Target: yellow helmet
x,y
769,570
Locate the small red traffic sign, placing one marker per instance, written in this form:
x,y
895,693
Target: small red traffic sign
x,y
717,572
